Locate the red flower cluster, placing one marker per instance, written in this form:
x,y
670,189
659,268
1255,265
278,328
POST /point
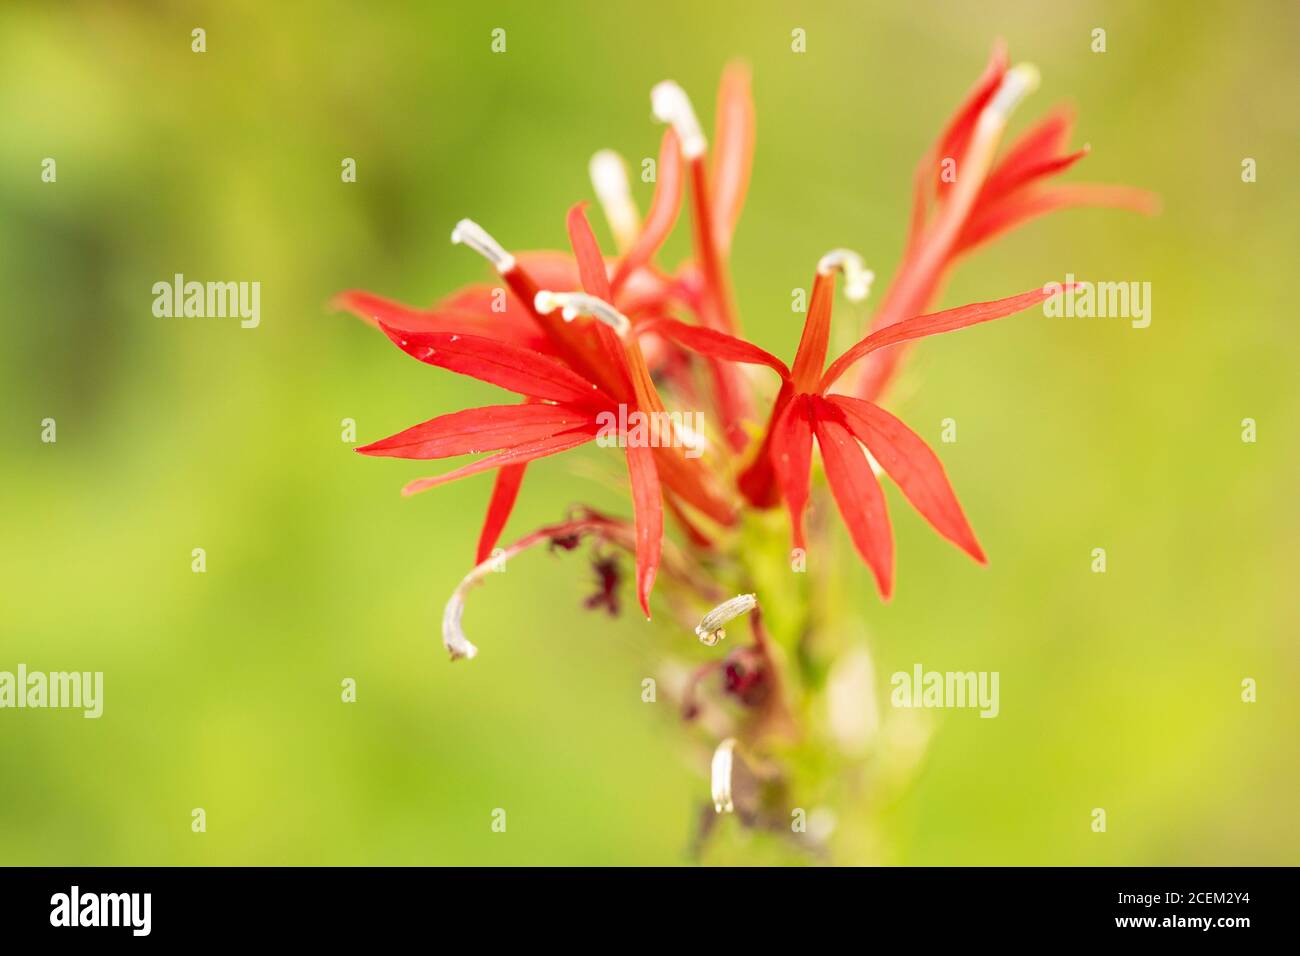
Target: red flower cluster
x,y
644,329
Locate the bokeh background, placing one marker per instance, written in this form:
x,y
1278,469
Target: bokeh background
x,y
1119,690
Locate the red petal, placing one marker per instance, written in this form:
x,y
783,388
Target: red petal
x,y
519,370
857,493
1016,211
908,460
956,136
1040,145
810,360
758,481
791,453
475,310
714,344
595,281
550,269
648,508
591,265
733,151
952,142
513,456
476,430
664,208
920,326
502,502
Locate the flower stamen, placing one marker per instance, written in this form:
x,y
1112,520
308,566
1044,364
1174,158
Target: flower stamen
x,y
857,277
574,304
723,762
1019,81
670,104
471,234
609,180
711,628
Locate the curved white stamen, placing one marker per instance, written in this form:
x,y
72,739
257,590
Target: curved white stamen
x,y
723,759
453,634
710,630
670,104
857,277
574,304
1018,82
469,233
609,180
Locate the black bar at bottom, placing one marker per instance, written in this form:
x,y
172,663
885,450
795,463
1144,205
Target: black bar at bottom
x,y
336,905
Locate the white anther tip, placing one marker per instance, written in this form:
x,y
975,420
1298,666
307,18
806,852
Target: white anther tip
x,y
608,174
469,233
711,628
546,302
721,771
670,104
857,277
574,304
1017,83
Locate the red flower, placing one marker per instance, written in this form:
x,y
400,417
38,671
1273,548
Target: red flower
x,y
804,408
963,196
570,374
561,404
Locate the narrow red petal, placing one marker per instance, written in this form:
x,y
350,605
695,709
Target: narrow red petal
x,y
550,269
375,309
758,481
664,209
714,344
716,306
519,370
513,456
956,136
1041,144
504,492
921,326
791,453
591,265
475,310
595,281
914,466
648,508
476,430
733,151
1015,211
857,493
810,360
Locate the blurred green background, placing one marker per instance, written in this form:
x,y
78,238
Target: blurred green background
x,y
222,691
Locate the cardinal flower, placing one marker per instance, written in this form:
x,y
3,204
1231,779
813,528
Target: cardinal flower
x,y
964,195
806,408
580,338
562,407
